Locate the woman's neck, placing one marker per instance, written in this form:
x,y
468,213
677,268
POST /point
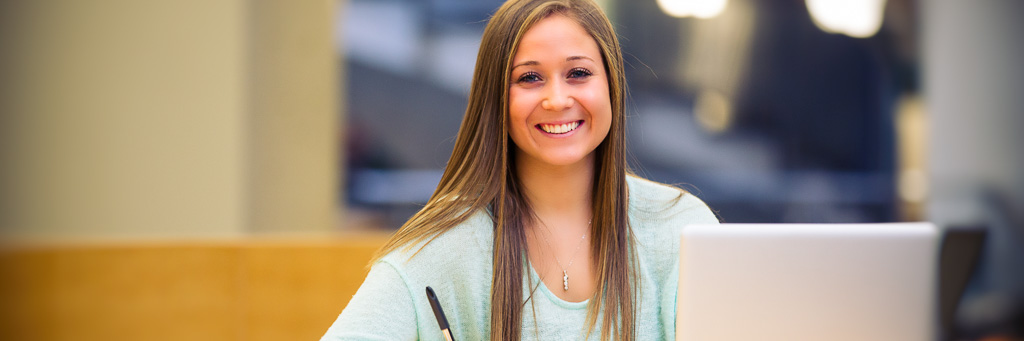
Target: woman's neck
x,y
558,194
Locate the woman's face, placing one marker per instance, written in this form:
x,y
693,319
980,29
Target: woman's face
x,y
559,107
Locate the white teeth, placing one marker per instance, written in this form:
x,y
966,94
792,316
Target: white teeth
x,y
560,128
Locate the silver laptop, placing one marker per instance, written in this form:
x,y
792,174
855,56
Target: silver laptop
x,y
808,282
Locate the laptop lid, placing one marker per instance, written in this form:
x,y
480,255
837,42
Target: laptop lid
x,y
807,282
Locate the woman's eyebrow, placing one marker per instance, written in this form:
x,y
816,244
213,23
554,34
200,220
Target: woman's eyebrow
x,y
569,59
529,62
572,58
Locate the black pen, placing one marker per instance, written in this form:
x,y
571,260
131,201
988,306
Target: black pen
x,y
441,321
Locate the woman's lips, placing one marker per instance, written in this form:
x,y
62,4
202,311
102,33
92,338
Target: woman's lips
x,y
559,129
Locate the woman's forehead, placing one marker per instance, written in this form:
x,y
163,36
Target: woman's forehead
x,y
556,37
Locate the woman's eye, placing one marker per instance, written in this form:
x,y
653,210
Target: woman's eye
x,y
529,77
579,73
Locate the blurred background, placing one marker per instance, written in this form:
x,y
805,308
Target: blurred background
x,y
232,156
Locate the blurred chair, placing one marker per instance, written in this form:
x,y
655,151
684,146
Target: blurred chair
x,y
958,260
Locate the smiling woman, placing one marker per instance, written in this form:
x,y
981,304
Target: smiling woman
x,y
559,105
536,229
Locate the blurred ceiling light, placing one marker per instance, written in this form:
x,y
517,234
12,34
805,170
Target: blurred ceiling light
x,y
703,9
713,111
855,18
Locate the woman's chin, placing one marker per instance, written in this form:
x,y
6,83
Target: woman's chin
x,y
564,159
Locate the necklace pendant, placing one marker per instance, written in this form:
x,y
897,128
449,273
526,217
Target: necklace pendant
x,y
565,280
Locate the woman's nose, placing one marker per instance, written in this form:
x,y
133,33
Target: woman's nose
x,y
556,98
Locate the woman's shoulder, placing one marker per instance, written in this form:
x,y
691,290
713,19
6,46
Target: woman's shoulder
x,y
655,202
469,239
658,215
455,264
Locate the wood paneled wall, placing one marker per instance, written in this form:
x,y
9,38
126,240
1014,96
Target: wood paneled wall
x,y
224,290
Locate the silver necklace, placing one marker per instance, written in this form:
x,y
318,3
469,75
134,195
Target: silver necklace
x,y
565,269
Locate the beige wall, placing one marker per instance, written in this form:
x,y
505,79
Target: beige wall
x,y
131,118
294,96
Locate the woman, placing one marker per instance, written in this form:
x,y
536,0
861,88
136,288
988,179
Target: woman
x,y
536,229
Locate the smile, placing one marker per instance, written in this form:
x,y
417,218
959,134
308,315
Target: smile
x,y
563,128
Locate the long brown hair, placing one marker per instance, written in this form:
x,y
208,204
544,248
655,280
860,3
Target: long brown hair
x,y
480,175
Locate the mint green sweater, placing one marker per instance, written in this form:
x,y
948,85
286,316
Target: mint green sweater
x,y
392,304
